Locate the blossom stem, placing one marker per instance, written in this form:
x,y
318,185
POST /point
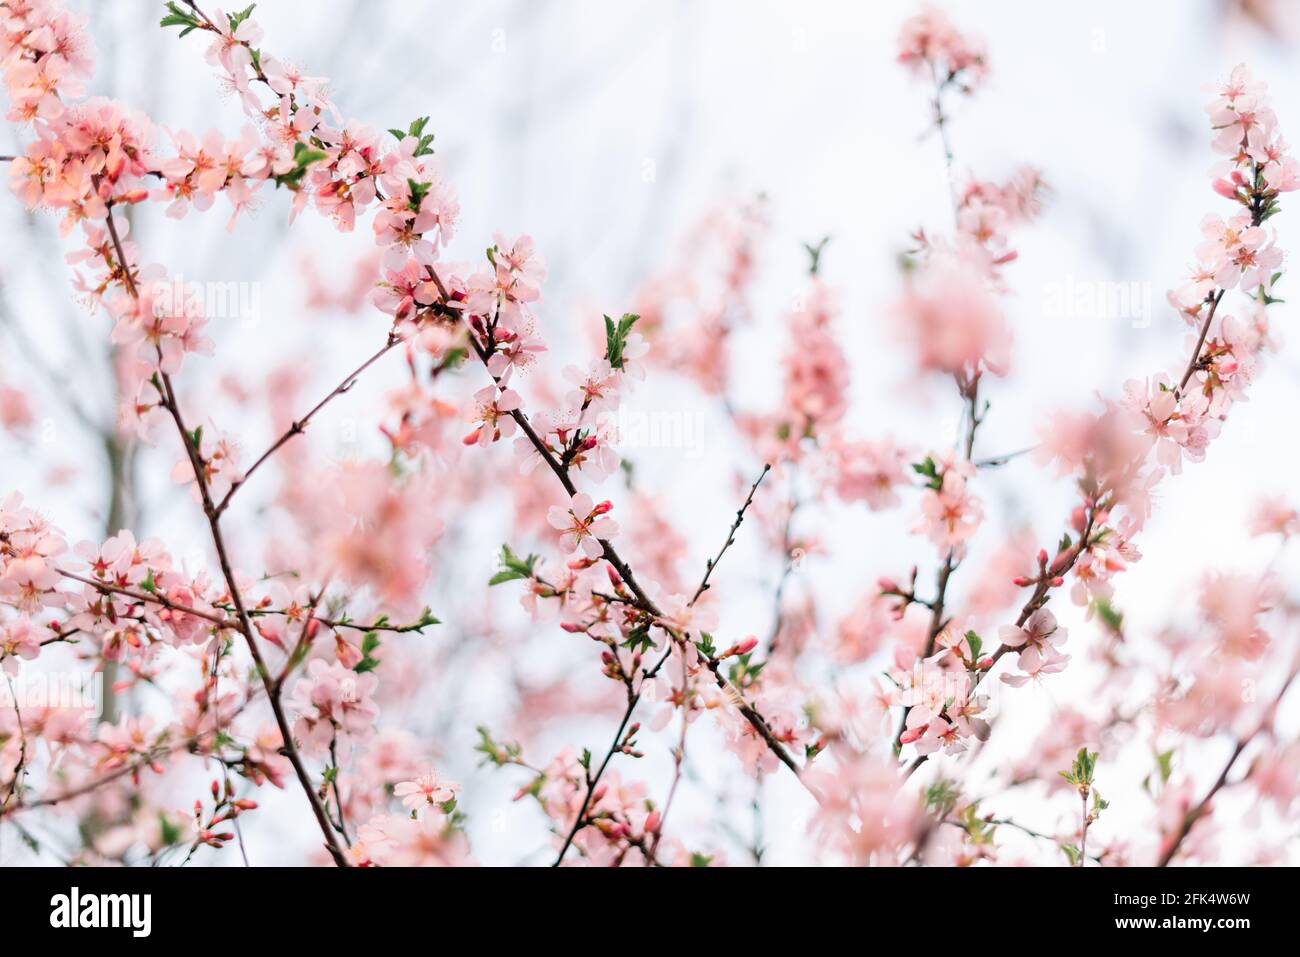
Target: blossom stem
x,y
1196,813
161,600
970,392
610,554
633,698
1083,833
679,762
298,426
731,536
1200,342
245,624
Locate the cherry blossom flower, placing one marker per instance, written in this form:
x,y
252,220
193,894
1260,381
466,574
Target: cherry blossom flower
x,y
424,791
583,524
950,514
1038,642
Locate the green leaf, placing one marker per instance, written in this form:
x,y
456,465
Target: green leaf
x,y
171,834
179,17
303,157
930,472
1113,619
1165,761
426,619
815,254
237,18
418,192
638,639
513,567
941,797
616,337
416,129
494,753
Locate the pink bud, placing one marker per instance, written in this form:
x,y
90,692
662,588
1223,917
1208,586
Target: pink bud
x,y
1077,519
1224,188
912,734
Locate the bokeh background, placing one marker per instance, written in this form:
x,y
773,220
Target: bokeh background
x,y
607,131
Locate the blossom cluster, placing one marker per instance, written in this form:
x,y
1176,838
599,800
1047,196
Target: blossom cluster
x,y
287,660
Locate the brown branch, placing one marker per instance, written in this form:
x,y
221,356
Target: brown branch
x,y
633,698
1200,342
754,718
970,392
300,425
1196,813
608,551
731,536
244,622
151,598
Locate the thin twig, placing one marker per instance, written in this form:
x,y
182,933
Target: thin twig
x,y
245,623
298,426
731,536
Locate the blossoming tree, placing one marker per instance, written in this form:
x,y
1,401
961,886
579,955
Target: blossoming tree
x,y
279,658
